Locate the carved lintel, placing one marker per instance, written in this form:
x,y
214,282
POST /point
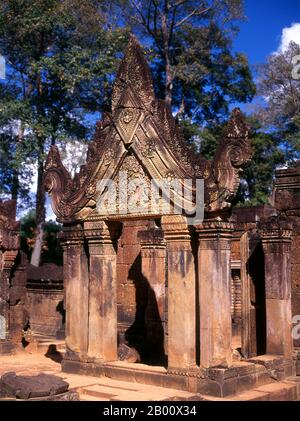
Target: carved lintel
x,y
71,236
153,237
175,228
102,231
275,232
215,234
275,227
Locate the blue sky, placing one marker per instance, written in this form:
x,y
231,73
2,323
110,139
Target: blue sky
x,y
261,34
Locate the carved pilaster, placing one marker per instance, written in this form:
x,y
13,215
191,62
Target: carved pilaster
x,y
76,291
181,293
276,242
153,253
9,249
215,293
102,326
8,260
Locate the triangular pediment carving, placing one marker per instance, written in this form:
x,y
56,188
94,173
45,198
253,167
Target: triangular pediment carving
x,y
142,129
128,116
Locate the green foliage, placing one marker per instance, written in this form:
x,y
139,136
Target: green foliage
x,y
209,77
62,56
190,47
61,59
258,175
281,90
51,251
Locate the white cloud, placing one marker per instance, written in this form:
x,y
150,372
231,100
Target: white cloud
x,y
289,34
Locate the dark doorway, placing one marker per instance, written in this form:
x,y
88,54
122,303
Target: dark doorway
x,y
256,271
140,324
146,334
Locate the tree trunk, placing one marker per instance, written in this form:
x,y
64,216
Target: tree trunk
x,y
169,83
40,216
168,67
15,177
15,185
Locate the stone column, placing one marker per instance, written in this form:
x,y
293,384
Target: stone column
x,y
246,301
102,329
153,253
276,242
181,293
76,286
215,293
8,260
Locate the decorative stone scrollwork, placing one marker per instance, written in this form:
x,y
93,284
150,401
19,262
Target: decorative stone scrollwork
x,y
233,152
91,189
127,122
148,148
109,156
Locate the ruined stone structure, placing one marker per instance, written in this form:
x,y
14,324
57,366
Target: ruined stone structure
x,y
31,299
262,243
144,277
13,314
287,203
44,300
284,212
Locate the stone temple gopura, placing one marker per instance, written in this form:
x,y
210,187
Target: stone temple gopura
x,y
151,294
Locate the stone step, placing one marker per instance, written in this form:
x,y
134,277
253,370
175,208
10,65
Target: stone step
x,y
130,392
91,398
287,390
281,391
99,392
47,345
109,394
296,381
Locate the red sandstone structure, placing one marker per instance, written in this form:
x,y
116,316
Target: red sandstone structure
x,y
13,314
151,285
31,299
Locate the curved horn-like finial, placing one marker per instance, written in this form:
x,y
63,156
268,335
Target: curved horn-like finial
x,y
56,178
233,152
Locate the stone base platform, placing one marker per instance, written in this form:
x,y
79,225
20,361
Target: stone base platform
x,y
296,358
103,388
7,347
218,382
278,367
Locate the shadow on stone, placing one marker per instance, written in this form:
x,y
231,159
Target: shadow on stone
x,y
53,354
146,334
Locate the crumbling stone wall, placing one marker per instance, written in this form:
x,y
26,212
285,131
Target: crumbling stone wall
x,y
12,280
45,300
247,273
287,203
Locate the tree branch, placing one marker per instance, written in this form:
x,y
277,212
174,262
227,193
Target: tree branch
x,y
195,12
143,22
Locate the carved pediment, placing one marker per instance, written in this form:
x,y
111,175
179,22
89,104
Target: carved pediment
x,y
128,116
142,133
